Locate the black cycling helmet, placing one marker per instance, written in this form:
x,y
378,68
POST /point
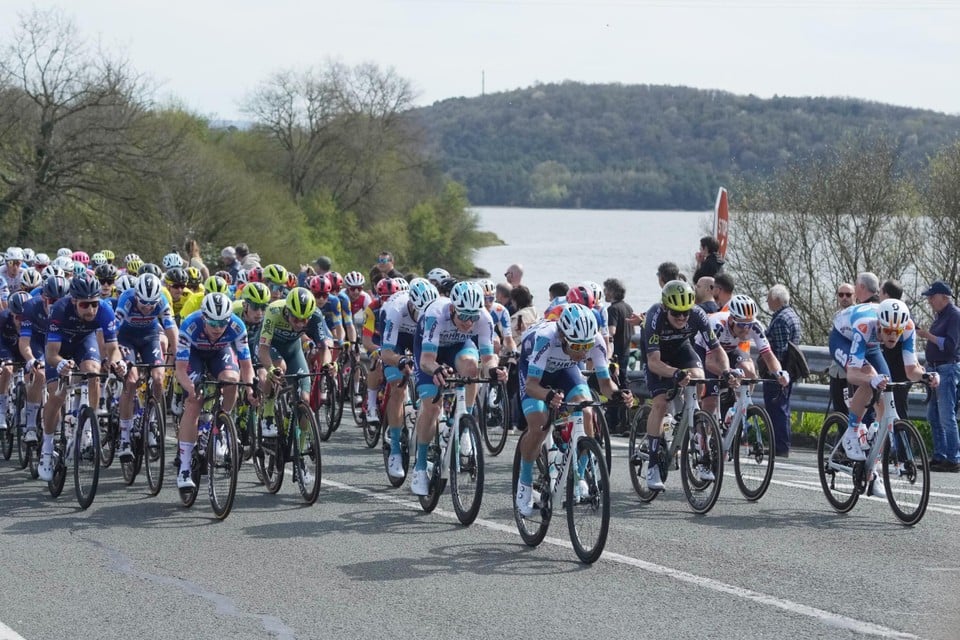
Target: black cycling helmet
x,y
16,302
56,287
84,287
446,285
106,272
151,268
176,275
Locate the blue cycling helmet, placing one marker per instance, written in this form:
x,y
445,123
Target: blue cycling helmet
x,y
56,287
578,324
422,293
85,287
16,302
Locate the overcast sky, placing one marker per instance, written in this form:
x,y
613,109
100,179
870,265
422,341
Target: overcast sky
x,y
209,54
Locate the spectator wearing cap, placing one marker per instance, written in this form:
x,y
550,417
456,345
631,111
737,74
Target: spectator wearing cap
x,y
246,259
228,257
383,269
943,356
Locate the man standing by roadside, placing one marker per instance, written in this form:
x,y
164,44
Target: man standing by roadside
x,y
709,262
229,259
383,269
514,275
784,327
618,314
943,356
704,293
836,373
868,288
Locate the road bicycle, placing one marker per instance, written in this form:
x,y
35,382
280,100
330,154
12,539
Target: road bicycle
x,y
698,441
297,440
147,435
456,452
896,453
373,429
77,439
407,432
493,410
580,482
15,406
749,441
325,397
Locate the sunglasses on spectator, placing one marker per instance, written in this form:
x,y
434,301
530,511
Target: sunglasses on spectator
x,y
383,260
578,347
679,314
845,294
86,304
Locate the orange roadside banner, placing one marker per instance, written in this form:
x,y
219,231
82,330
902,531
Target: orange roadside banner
x,y
721,221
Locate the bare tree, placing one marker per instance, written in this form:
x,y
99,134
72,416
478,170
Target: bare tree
x,y
940,258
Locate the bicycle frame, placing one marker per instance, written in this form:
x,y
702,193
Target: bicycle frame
x,y
566,465
886,429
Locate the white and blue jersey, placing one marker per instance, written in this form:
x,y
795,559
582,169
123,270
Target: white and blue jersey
x,y
855,339
194,338
541,352
399,327
135,324
438,331
34,325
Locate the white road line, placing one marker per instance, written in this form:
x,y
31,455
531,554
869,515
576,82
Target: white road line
x,y
826,617
6,633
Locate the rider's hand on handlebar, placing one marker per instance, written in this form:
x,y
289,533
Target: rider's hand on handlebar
x,y
498,374
932,378
64,365
440,375
274,374
119,368
554,398
733,377
406,362
783,378
681,377
624,395
878,382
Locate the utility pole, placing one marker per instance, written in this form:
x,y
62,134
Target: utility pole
x,y
483,82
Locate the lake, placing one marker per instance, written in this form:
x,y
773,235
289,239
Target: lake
x,y
572,245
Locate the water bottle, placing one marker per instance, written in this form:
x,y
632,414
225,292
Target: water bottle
x,y
203,430
667,426
872,431
862,436
728,419
444,434
554,458
69,423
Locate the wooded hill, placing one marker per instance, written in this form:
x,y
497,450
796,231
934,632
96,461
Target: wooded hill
x,y
649,147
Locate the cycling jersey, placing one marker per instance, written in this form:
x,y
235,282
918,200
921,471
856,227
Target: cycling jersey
x,y
194,338
855,340
35,324
67,327
133,323
333,312
175,305
437,329
729,342
659,335
541,352
253,330
399,327
501,320
191,304
9,336
277,330
8,282
373,322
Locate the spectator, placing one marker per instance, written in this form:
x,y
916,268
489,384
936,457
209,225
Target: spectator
x,y
894,356
704,293
526,314
723,286
558,294
709,262
323,265
784,327
666,272
383,269
867,288
246,259
943,356
192,249
839,392
618,314
514,274
228,257
503,297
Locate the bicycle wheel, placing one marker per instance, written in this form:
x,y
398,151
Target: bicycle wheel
x,y
495,417
321,410
753,447
131,467
110,426
404,455
268,461
336,407
357,389
588,501
306,453
55,486
429,502
13,414
86,457
601,431
466,471
638,458
223,460
702,450
906,473
154,427
371,431
533,528
837,484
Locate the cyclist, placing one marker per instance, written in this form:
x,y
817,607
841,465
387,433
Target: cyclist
x,y
329,305
399,330
141,313
733,328
443,342
213,284
212,340
251,308
175,286
276,277
503,337
436,276
672,360
76,323
10,320
372,338
10,272
106,275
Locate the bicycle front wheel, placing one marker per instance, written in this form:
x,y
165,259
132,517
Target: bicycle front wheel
x,y
533,528
55,486
753,447
495,417
588,501
466,471
154,428
86,457
357,390
906,473
700,458
638,456
223,459
837,484
306,453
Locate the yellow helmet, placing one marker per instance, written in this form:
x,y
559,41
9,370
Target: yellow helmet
x,y
275,274
300,303
193,276
677,295
215,284
256,293
133,266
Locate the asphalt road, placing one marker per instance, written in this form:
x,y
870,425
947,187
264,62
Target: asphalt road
x,y
365,562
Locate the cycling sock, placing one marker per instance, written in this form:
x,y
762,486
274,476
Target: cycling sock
x,y
581,464
47,443
395,440
186,451
421,457
853,420
371,400
32,409
125,426
526,472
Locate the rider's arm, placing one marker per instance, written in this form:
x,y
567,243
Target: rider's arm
x,y
717,360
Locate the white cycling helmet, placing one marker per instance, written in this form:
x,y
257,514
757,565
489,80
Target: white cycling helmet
x,y
30,278
243,276
64,263
354,279
41,259
29,256
467,298
64,252
98,259
216,307
743,308
51,270
172,261
578,324
124,282
489,287
437,274
148,288
422,293
597,290
893,314
402,284
14,253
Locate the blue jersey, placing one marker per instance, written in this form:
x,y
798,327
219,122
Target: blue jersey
x,y
9,333
193,337
333,312
67,326
35,321
35,293
132,323
859,324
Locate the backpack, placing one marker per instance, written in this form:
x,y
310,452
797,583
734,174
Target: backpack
x,y
793,362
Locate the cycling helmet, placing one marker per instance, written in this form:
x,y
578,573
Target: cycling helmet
x,y
256,293
488,286
893,314
150,268
597,291
51,270
57,287
29,256
98,259
106,273
79,256
402,284
225,275
30,279
41,260
124,282
354,279
215,284
148,288
336,280
242,277
130,257
84,287
677,295
300,303
581,294
134,266
64,252
275,274
446,286
193,277
176,275
319,285
216,307
16,302
436,275
79,269
109,255
578,324
14,253
386,287
64,263
743,308
172,260
422,293
291,280
467,298
255,274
